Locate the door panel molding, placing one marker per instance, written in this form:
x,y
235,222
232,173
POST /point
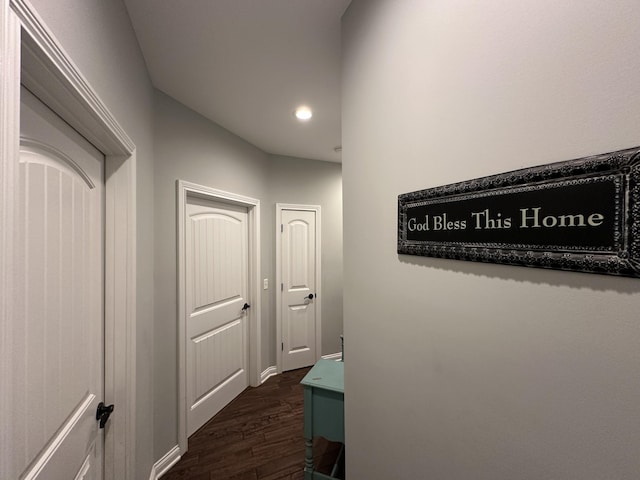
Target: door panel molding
x,y
187,189
29,53
318,277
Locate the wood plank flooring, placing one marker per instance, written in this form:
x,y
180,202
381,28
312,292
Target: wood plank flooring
x,y
258,436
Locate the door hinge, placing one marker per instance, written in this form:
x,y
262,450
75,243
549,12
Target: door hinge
x,y
282,228
282,287
282,346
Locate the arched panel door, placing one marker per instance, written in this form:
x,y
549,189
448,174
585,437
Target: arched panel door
x,y
216,250
57,335
298,258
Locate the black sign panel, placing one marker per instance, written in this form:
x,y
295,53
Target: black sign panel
x,y
581,215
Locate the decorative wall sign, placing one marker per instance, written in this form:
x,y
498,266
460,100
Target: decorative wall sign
x,y
581,215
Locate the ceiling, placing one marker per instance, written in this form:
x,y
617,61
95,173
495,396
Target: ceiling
x,y
247,64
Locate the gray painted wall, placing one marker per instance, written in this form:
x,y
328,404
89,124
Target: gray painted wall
x,y
175,143
99,39
458,370
317,183
190,147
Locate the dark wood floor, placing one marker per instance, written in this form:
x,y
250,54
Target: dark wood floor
x,y
258,436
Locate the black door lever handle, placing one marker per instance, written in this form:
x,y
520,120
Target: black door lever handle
x,y
246,306
309,297
103,413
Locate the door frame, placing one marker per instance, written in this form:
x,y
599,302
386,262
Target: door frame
x,y
29,53
187,189
318,292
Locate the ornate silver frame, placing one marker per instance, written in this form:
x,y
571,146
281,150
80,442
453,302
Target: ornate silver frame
x,y
620,167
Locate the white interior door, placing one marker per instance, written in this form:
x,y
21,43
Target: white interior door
x,y
58,343
216,250
298,270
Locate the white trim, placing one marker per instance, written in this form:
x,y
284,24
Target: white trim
x,y
120,316
268,373
48,71
9,148
65,90
253,206
313,208
163,465
333,356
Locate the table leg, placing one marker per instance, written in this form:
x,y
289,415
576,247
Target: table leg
x,y
308,433
308,458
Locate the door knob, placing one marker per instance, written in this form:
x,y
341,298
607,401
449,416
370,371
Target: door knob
x,y
310,296
246,306
103,413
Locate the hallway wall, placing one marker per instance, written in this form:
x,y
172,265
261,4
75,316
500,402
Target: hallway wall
x,y
190,147
316,183
174,142
460,370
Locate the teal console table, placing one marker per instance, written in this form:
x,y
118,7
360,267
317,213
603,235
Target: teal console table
x,y
323,409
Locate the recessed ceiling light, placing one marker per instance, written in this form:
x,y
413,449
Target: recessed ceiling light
x,y
303,113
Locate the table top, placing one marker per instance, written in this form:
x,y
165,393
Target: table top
x,y
327,374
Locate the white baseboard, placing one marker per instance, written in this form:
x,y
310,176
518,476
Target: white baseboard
x,y
273,370
163,465
268,373
333,356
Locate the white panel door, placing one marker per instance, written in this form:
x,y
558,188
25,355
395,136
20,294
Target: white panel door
x,y
57,333
298,259
216,249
